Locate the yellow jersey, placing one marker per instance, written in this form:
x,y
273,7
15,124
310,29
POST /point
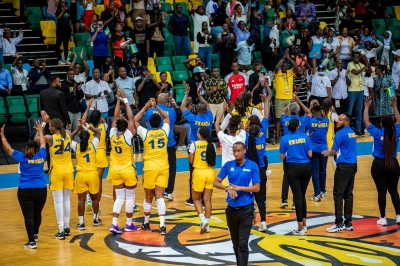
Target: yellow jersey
x,y
86,161
250,110
102,138
331,129
155,149
283,84
200,151
61,163
121,150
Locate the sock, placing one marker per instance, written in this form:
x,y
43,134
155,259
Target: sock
x,y
80,219
162,220
201,216
95,216
146,219
67,206
128,221
119,201
208,219
147,209
58,205
115,221
130,200
161,210
88,196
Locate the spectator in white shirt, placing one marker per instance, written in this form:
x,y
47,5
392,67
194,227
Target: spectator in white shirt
x,y
20,78
211,8
100,91
339,81
127,84
369,50
244,50
10,45
321,85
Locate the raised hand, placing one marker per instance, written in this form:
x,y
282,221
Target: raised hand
x,y
45,116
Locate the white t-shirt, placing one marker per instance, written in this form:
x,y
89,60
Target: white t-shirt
x,y
330,46
227,144
95,142
396,72
127,135
319,85
142,132
368,82
344,49
94,88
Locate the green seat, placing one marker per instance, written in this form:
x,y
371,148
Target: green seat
x,y
394,28
179,87
214,60
34,11
17,109
33,104
375,22
81,44
179,76
390,12
392,22
166,7
179,98
381,30
82,37
8,67
169,47
166,19
78,51
180,67
34,21
257,55
168,54
396,37
3,112
178,59
90,51
163,61
261,30
165,68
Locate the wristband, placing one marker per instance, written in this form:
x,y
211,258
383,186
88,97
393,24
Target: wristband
x,y
86,127
125,100
43,124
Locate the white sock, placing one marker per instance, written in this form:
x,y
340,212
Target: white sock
x,y
67,206
130,200
162,220
81,221
95,216
161,210
119,201
58,205
146,219
201,215
146,208
88,196
128,221
208,219
115,221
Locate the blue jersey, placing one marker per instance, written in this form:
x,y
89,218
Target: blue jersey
x,y
30,170
304,120
345,144
245,175
172,117
318,128
261,142
296,146
378,134
197,121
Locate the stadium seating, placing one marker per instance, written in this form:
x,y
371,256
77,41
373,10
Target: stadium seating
x,y
16,109
163,61
179,76
162,68
48,29
178,59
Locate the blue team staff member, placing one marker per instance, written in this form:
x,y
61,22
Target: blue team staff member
x,y
244,180
318,129
344,150
294,111
385,168
162,100
203,118
295,147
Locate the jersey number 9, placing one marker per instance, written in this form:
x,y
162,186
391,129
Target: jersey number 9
x,y
203,155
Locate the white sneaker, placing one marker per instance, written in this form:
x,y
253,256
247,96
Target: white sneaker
x,y
305,229
316,198
268,172
169,197
335,228
299,232
397,218
382,221
263,227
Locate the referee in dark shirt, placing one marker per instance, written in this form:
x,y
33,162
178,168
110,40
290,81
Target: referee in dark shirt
x,y
244,179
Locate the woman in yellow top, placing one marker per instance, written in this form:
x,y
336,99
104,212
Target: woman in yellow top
x,y
122,171
61,172
203,158
155,162
86,171
98,122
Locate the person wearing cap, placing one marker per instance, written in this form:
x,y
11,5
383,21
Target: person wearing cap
x,y
178,25
132,68
244,50
194,82
146,87
295,148
258,80
139,11
226,50
321,84
339,81
155,25
140,37
331,48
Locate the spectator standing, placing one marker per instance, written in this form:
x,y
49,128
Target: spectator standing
x,y
10,45
269,15
88,13
199,18
100,91
118,49
155,32
100,46
226,50
139,10
340,12
64,31
127,84
347,44
5,81
241,31
20,78
220,23
321,84
255,23
38,77
204,40
236,81
383,81
257,84
216,89
194,82
268,55
300,40
395,73
300,87
146,87
305,12
211,8
244,50
339,82
110,17
132,68
315,46
230,7
286,33
178,25
165,85
141,39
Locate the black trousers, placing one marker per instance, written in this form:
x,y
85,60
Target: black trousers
x,y
62,37
386,180
119,62
156,47
32,201
320,99
17,91
239,222
143,57
299,175
100,63
261,196
343,191
343,105
172,169
224,71
190,179
285,183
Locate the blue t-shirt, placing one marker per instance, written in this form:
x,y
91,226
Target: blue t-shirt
x,y
31,173
240,175
172,117
345,144
365,38
304,120
179,25
261,142
378,134
197,121
100,45
296,146
318,128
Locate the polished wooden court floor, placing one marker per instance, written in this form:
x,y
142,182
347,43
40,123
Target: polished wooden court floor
x,y
368,244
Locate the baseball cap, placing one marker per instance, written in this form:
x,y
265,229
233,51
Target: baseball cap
x,y
138,18
332,29
321,67
397,52
257,62
198,70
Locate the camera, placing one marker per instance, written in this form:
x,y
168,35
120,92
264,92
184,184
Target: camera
x,y
198,63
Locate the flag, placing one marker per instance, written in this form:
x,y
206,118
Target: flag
x,y
107,31
133,48
390,92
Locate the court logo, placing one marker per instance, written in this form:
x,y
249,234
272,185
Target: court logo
x,y
368,244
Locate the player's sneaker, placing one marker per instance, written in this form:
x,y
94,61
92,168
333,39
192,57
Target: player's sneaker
x,y
316,198
115,229
268,172
89,205
67,231
31,245
60,236
80,226
299,232
36,238
169,197
189,202
397,218
96,222
382,221
293,206
131,228
335,228
208,229
323,194
305,229
263,227
284,204
349,226
146,226
163,230
203,225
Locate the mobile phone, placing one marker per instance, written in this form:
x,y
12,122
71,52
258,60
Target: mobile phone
x,y
105,92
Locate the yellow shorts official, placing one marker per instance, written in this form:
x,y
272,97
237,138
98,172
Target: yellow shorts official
x,y
60,181
85,181
101,158
153,178
128,177
203,178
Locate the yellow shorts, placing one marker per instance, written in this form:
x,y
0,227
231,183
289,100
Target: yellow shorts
x,y
203,178
127,177
60,181
85,181
101,158
279,106
153,178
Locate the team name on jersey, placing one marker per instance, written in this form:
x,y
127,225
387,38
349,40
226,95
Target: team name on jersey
x,y
297,141
287,123
118,142
202,123
156,112
152,135
319,124
260,146
201,146
351,135
59,140
41,160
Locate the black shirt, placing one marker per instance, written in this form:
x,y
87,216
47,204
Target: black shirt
x,y
302,94
226,53
268,57
148,91
219,19
106,15
139,37
64,23
71,98
52,101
